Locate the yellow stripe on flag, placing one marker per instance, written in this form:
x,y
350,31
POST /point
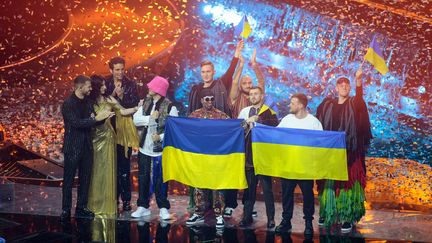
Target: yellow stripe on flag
x,y
377,61
247,30
299,162
204,170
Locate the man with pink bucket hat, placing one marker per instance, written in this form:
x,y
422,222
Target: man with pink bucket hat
x,y
152,117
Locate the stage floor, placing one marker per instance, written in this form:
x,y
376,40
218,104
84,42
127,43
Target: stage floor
x,y
33,216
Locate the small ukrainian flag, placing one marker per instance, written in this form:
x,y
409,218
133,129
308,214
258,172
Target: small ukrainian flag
x,y
375,56
243,29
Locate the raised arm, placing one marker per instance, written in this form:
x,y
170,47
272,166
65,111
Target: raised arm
x,y
129,95
227,78
257,70
359,85
234,92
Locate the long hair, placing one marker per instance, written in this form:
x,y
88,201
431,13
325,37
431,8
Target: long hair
x,y
96,83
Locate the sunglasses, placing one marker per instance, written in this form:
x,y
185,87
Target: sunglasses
x,y
208,98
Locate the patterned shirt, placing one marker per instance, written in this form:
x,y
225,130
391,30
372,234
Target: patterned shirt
x,y
212,114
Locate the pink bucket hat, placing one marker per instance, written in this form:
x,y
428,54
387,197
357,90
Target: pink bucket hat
x,y
159,85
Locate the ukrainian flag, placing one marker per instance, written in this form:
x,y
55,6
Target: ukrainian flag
x,y
243,29
375,56
299,153
204,153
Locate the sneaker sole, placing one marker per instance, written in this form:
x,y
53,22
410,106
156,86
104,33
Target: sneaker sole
x,y
283,232
140,216
345,231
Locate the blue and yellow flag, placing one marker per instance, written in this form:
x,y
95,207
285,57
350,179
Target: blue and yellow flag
x,y
375,56
243,28
299,153
204,153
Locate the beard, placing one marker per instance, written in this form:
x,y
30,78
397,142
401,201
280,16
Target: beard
x,y
255,102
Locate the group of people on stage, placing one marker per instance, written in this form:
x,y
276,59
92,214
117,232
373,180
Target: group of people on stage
x,y
105,119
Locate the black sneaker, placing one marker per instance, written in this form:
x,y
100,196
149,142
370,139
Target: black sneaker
x,y
228,212
308,228
84,213
65,215
254,214
346,227
271,224
284,227
127,206
195,219
321,222
245,223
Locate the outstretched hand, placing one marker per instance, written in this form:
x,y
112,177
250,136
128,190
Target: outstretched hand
x,y
359,72
253,59
239,48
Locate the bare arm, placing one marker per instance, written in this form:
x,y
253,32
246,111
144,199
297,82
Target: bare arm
x,y
257,70
235,84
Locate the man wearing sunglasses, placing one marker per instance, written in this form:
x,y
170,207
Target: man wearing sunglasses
x,y
220,87
208,111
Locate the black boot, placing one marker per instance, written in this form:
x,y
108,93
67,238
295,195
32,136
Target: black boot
x,y
84,213
308,228
65,215
126,206
284,227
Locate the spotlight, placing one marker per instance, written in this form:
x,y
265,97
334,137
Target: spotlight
x,y
421,89
207,9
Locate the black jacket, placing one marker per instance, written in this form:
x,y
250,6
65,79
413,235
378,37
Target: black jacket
x,y
130,95
78,119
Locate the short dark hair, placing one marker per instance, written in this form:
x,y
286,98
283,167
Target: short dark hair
x,y
342,80
206,92
258,88
207,62
81,79
302,98
116,60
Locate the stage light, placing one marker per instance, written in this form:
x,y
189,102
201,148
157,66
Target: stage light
x,y
421,89
207,9
410,107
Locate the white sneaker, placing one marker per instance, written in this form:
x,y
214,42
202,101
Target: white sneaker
x,y
141,212
164,214
228,212
220,223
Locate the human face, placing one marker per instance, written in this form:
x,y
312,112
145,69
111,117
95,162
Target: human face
x,y
85,88
246,84
207,73
207,102
343,89
255,96
152,93
295,106
118,71
103,88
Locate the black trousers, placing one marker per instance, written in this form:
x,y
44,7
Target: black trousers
x,y
83,161
123,173
249,202
160,188
306,187
230,196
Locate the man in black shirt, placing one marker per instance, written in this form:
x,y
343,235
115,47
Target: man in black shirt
x,y
78,119
125,91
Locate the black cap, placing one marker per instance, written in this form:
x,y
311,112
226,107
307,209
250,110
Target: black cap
x,y
206,92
